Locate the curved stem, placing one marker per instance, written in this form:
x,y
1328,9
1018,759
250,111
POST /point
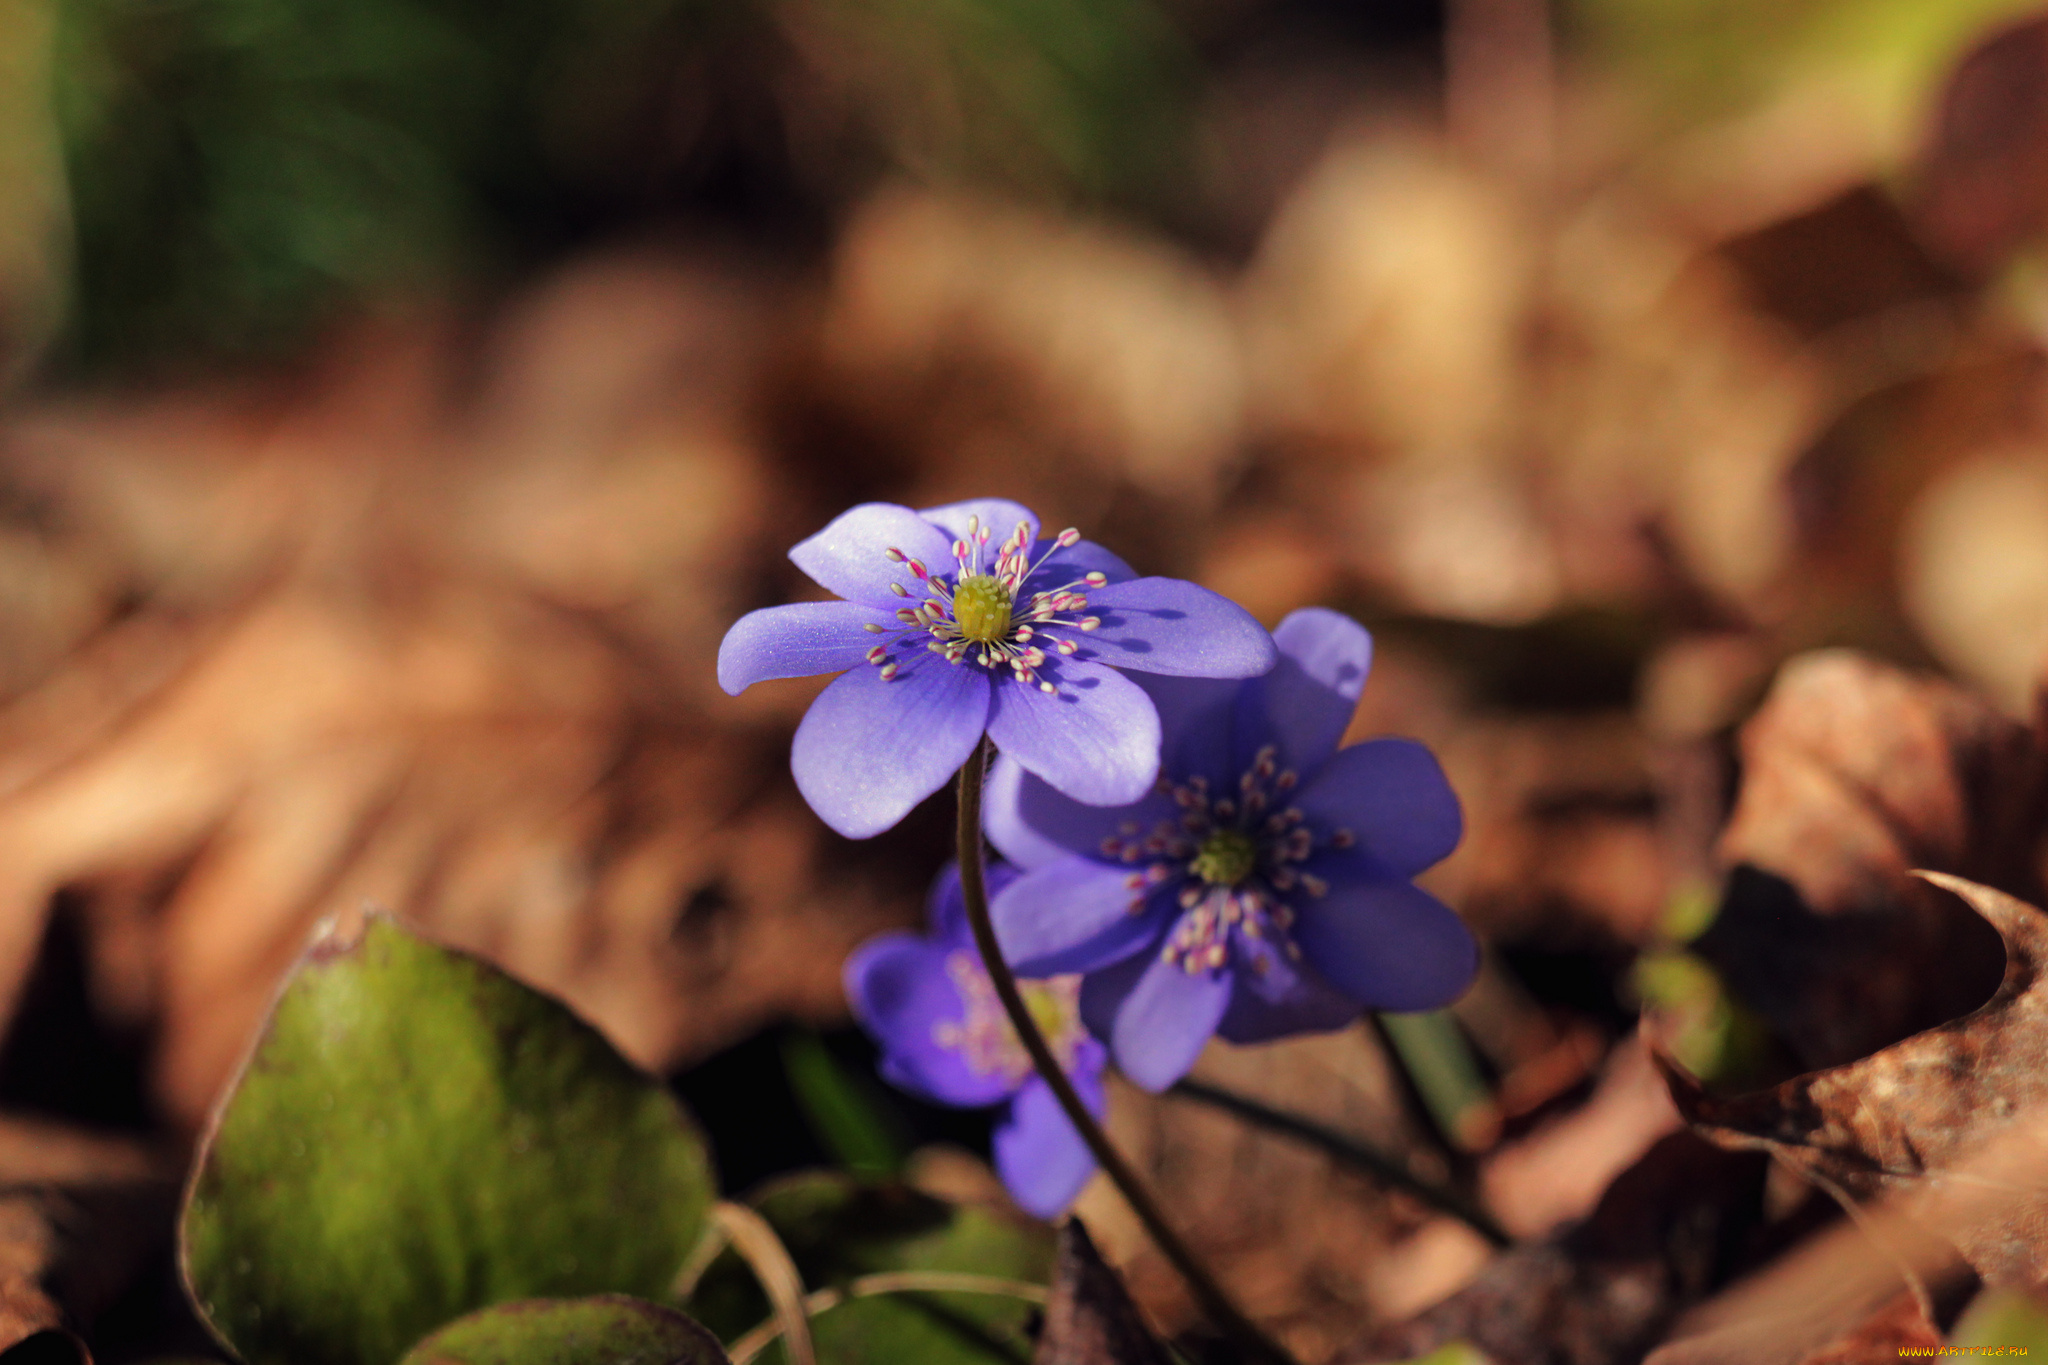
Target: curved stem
x,y
757,1243
1257,1346
1351,1152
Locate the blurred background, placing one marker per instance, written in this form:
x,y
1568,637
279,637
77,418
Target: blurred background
x,y
402,396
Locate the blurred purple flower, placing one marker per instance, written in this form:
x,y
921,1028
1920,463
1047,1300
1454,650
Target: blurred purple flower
x,y
1262,889
928,1002
1023,641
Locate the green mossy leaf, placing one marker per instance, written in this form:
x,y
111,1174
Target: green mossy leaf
x,y
609,1329
416,1136
839,1228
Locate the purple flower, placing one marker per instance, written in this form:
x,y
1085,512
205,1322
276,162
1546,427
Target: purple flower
x,y
1023,641
929,1004
1263,889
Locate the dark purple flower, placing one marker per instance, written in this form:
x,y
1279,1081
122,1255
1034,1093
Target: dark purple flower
x,y
1023,641
1262,889
929,1004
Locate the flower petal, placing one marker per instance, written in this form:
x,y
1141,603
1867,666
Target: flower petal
x,y
1387,944
869,750
1031,824
1013,827
1074,915
999,517
1164,625
1303,705
946,906
850,556
1195,718
796,641
1163,1023
1096,738
901,991
1103,992
1039,1153
1393,797
1259,1012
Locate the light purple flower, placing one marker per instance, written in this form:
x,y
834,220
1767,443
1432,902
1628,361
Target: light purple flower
x,y
1262,889
928,1002
1023,641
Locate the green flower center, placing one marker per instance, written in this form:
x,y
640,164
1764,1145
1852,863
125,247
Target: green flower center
x,y
1227,858
981,608
983,1036
1052,1009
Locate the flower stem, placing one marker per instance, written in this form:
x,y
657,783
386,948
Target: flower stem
x,y
1351,1152
1258,1348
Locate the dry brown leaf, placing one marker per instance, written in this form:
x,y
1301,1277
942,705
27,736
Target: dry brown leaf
x,y
81,1215
1034,349
1558,1174
443,648
1919,1108
1605,1291
1973,568
1841,1287
1320,1249
1882,1338
1563,836
1090,1319
1387,299
1983,175
1490,405
1854,772
27,1251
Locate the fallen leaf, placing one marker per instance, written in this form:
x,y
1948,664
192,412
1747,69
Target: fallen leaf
x,y
1973,570
1840,260
27,1251
1606,1290
1307,1257
1917,1110
986,331
1853,773
1983,176
1859,1290
1091,1319
1558,1174
1893,1331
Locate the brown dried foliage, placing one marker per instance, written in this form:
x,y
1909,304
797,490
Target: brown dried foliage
x,y
1915,1110
1090,1319
1854,772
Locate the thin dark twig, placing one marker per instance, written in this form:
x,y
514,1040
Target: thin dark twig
x,y
1257,1346
1351,1152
